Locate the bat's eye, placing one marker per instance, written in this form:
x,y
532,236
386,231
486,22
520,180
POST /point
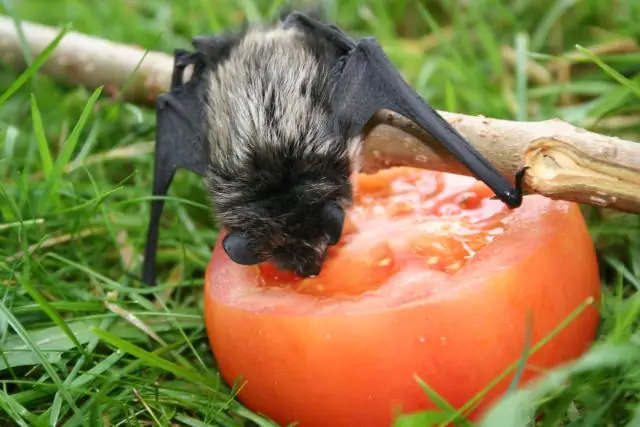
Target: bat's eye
x,y
333,221
236,245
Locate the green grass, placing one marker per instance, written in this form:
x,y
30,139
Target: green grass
x,y
80,344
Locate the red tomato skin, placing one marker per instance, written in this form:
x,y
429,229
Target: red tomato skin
x,y
357,369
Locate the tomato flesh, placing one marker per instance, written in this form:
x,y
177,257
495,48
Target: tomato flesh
x,y
431,220
431,278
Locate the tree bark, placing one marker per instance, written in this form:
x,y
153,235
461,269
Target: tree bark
x,y
565,162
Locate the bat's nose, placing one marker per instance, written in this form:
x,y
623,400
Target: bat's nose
x,y
313,265
311,270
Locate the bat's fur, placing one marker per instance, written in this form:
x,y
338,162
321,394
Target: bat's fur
x,y
280,110
277,152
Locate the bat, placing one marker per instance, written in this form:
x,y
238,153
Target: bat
x,y
272,118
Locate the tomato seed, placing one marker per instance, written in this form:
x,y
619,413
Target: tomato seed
x,y
384,262
455,266
382,255
469,200
401,208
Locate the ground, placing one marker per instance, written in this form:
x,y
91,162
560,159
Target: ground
x,y
71,234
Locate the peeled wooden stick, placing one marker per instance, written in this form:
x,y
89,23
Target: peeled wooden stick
x,y
565,162
89,61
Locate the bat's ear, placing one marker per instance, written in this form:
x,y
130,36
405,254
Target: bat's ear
x,y
315,10
236,245
333,221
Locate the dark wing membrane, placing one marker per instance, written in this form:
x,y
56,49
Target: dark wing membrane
x,y
369,82
366,82
180,143
180,137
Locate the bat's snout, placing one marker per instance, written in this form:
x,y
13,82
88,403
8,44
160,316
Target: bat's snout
x,y
313,264
310,270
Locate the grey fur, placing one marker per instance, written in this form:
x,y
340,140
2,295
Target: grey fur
x,y
277,153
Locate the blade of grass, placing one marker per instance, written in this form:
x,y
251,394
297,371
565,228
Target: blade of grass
x,y
130,78
420,419
525,355
24,46
176,325
627,318
53,182
258,420
517,410
274,8
43,145
434,396
153,360
212,17
555,331
442,38
487,38
635,421
76,382
521,47
35,66
24,335
620,267
610,71
192,422
548,20
50,311
15,410
251,12
10,137
450,97
24,239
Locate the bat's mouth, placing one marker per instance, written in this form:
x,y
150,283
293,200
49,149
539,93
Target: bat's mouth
x,y
311,264
311,271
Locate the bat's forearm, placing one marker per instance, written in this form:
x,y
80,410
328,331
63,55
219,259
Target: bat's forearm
x,y
564,162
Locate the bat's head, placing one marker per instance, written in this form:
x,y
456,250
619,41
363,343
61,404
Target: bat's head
x,y
283,210
301,249
280,163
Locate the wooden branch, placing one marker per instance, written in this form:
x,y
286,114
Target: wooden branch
x,y
89,61
565,162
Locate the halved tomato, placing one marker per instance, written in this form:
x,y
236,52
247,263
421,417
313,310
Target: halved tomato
x,y
431,279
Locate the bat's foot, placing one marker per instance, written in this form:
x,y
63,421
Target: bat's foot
x,y
330,32
317,11
181,60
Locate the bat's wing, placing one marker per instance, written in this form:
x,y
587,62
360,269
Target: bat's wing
x,y
367,82
180,143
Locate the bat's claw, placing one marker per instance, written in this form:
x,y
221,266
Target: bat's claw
x,y
513,197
